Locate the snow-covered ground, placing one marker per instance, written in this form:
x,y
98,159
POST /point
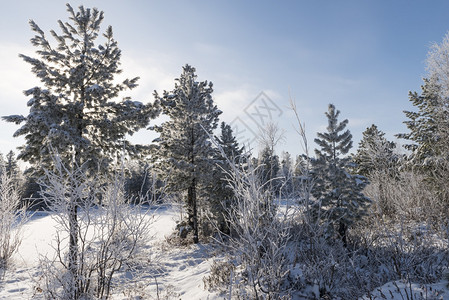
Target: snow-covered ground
x,y
178,271
402,290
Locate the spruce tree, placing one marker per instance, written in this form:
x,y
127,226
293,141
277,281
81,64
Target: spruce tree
x,y
76,112
183,150
220,188
339,198
286,173
11,165
428,133
228,142
424,124
286,163
268,169
429,136
375,153
376,159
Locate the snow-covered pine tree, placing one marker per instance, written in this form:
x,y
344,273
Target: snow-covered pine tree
x,y
11,165
428,126
286,173
286,163
377,160
269,137
183,151
223,193
429,136
375,153
76,112
425,124
268,169
228,142
339,198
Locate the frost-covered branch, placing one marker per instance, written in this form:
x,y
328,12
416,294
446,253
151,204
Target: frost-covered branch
x,y
109,233
13,216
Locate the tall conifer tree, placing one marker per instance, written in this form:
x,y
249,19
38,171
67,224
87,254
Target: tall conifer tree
x,y
228,142
221,191
340,200
268,168
183,150
76,112
428,126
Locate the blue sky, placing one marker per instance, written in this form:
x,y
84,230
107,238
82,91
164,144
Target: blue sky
x,y
362,56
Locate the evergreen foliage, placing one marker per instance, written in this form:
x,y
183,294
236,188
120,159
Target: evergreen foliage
x,y
377,160
183,150
426,125
375,153
141,182
76,112
76,118
11,165
286,173
429,127
429,136
268,169
228,142
223,195
339,198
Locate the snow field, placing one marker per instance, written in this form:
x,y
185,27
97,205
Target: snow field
x,y
178,272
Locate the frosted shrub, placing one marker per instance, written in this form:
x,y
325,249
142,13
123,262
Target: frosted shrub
x,y
260,238
12,218
221,274
107,231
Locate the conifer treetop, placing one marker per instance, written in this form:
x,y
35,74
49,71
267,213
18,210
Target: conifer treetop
x,y
183,147
333,143
76,112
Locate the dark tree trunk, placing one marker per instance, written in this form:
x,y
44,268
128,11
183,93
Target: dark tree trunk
x,y
73,248
73,212
343,231
192,210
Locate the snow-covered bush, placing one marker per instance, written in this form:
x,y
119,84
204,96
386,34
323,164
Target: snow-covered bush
x,y
408,196
98,234
325,267
221,274
408,251
12,218
260,238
